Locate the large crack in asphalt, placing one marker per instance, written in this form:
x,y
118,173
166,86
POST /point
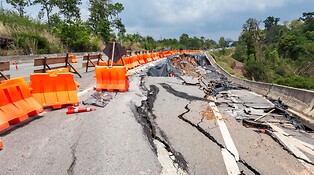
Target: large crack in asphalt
x,y
145,116
183,95
70,170
211,138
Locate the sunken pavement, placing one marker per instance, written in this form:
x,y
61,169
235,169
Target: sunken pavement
x,y
180,116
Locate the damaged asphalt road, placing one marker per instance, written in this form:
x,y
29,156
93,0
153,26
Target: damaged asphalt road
x,y
164,124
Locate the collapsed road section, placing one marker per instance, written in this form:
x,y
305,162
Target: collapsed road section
x,y
182,76
179,116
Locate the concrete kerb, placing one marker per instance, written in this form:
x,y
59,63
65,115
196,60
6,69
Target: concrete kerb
x,y
299,100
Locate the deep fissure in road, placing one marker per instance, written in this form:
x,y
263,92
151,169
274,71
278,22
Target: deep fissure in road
x,y
145,116
211,138
183,95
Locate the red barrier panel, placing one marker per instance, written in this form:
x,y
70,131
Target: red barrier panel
x,y
54,90
111,79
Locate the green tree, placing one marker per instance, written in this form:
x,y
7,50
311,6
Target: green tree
x,y
47,7
272,29
308,19
69,9
103,17
19,5
222,42
251,36
76,36
184,40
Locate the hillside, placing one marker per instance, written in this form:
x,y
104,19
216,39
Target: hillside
x,y
22,35
279,53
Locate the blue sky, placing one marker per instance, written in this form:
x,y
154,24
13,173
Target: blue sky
x,y
209,18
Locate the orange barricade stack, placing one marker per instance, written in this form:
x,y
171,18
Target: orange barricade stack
x,y
111,79
16,102
54,90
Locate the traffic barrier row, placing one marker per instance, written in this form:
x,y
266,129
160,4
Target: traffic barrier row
x,y
17,103
112,76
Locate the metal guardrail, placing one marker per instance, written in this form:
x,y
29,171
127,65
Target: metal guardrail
x,y
299,100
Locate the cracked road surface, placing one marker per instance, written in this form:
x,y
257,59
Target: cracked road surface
x,y
160,126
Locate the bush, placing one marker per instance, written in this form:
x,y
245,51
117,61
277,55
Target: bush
x,y
297,82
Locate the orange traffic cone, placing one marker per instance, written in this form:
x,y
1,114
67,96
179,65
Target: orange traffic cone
x,y
16,66
72,110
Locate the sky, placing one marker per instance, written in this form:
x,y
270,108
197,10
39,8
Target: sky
x,y
209,18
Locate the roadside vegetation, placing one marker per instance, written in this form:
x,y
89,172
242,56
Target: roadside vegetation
x,y
280,53
60,28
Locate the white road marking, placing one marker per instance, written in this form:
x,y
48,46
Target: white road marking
x,y
231,163
84,92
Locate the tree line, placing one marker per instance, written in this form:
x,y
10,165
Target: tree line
x,y
281,53
63,20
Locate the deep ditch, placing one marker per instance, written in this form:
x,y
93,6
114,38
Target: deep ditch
x,y
145,116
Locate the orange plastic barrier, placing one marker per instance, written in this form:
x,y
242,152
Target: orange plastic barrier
x,y
128,62
54,90
16,102
135,61
111,79
141,59
102,63
155,56
55,71
4,124
1,145
148,57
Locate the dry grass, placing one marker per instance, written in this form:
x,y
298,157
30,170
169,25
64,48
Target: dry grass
x,y
4,31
